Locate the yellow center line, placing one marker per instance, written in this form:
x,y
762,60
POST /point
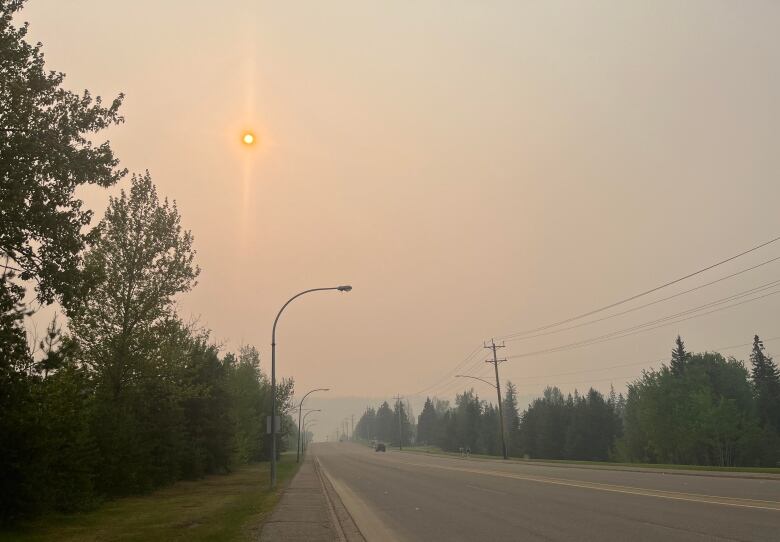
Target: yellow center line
x,y
673,495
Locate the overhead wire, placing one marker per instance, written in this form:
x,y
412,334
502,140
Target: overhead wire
x,y
634,309
649,326
442,383
644,293
449,373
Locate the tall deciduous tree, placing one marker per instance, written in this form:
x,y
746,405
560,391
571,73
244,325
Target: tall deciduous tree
x,y
143,258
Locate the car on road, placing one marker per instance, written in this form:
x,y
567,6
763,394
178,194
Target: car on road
x,y
380,447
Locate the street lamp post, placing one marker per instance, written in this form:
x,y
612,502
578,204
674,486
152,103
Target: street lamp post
x,y
346,288
307,439
500,409
300,405
304,426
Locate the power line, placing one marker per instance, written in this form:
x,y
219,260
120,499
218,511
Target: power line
x,y
447,375
635,364
626,332
452,384
646,292
443,384
514,337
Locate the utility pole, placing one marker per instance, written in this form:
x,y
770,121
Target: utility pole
x,y
353,427
400,427
495,361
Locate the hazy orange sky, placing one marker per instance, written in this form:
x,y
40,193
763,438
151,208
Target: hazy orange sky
x,y
471,168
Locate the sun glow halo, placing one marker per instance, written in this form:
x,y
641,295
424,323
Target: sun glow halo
x,y
248,138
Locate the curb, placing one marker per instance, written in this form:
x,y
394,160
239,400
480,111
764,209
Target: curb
x,y
343,522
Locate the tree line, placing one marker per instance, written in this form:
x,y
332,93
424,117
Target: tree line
x,y
122,395
699,409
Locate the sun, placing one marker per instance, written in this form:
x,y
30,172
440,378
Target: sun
x,y
248,138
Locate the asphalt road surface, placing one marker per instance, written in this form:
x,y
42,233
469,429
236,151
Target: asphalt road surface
x,y
412,496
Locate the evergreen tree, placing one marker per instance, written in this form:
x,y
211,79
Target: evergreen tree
x,y
679,357
402,429
365,428
386,423
468,411
766,385
511,420
426,424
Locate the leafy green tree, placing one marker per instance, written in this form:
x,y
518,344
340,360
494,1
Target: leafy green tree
x,y
143,259
249,391
46,153
705,416
132,342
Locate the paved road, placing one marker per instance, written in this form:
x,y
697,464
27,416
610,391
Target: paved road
x,y
409,496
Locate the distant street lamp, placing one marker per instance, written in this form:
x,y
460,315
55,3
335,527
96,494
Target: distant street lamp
x,y
311,422
345,288
305,429
298,455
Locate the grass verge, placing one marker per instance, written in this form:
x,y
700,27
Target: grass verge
x,y
600,464
216,508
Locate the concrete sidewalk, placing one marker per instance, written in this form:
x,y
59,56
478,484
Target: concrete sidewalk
x,y
310,510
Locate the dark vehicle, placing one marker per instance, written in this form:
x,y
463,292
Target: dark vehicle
x,y
380,447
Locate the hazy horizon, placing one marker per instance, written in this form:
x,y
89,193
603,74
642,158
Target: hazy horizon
x,y
471,172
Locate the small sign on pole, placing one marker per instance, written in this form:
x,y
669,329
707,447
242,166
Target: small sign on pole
x,y
277,427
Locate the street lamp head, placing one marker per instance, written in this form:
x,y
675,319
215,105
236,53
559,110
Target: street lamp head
x,y
345,288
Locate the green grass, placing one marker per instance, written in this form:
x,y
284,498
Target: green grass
x,y
601,464
221,507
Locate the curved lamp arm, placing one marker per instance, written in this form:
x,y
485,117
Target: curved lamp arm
x,y
346,288
477,378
